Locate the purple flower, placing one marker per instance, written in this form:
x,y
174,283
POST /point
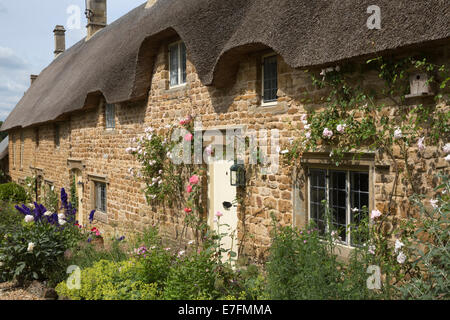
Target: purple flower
x,y
121,238
91,216
63,199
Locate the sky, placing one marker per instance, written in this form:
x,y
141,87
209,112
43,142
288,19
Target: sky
x,y
27,42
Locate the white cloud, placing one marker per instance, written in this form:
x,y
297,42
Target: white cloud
x,y
14,80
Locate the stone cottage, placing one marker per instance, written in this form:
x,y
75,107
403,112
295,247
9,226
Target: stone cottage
x,y
233,64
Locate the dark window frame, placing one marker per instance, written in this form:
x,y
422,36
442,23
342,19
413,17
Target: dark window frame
x,y
56,135
269,79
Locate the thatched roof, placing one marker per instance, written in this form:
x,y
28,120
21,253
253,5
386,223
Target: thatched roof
x,y
118,60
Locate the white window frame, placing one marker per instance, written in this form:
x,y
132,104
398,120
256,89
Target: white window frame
x,y
347,243
269,103
113,116
179,71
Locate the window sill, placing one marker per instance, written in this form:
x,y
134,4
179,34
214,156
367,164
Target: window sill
x,y
269,104
177,87
110,131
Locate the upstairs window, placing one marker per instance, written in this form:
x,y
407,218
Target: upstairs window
x,y
36,132
13,150
56,135
270,79
347,193
110,116
100,196
177,64
22,147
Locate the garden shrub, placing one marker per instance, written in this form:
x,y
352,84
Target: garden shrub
x,y
429,248
9,219
13,192
300,267
108,280
34,249
193,278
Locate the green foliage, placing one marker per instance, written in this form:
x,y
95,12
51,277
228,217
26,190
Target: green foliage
x,y
13,192
429,249
73,193
9,219
109,280
300,267
50,199
193,278
34,251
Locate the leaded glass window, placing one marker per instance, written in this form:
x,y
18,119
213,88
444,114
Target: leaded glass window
x,y
346,193
100,196
110,115
177,64
270,79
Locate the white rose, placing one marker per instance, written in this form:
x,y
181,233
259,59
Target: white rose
x,y
30,247
401,258
446,148
398,134
29,218
398,245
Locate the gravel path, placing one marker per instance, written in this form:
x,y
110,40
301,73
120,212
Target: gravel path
x,y
8,292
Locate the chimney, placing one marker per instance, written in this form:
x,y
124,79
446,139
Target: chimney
x,y
33,77
60,40
96,16
150,3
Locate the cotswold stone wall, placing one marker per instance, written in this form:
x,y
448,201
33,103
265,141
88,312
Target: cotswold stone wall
x,y
100,154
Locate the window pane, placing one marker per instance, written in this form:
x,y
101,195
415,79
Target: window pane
x,y
270,79
173,64
359,199
338,202
110,116
183,63
317,195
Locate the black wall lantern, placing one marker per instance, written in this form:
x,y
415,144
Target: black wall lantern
x,y
237,176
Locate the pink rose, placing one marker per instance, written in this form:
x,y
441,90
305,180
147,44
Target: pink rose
x,y
219,214
188,137
375,214
194,180
327,133
189,189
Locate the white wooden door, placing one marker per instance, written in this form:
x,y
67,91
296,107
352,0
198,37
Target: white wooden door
x,y
221,192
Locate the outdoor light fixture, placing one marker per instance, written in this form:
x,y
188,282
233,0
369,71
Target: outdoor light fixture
x,y
237,177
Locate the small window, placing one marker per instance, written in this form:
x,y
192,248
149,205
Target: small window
x,y
13,150
177,64
36,132
100,197
270,79
56,135
22,146
347,193
110,116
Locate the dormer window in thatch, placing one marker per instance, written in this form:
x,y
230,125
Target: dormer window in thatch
x,y
269,80
110,116
177,64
